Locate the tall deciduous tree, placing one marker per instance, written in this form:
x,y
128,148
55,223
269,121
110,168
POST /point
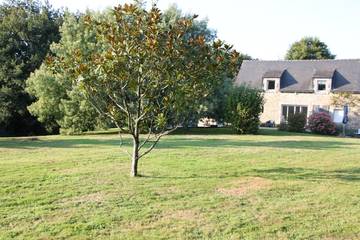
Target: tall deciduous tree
x,y
143,75
213,105
27,28
58,104
309,48
197,28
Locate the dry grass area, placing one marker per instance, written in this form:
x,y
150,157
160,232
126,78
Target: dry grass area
x,y
84,199
244,186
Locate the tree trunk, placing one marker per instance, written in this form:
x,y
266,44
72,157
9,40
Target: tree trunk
x,y
135,158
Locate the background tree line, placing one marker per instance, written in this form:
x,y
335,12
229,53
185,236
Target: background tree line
x,y
34,100
27,29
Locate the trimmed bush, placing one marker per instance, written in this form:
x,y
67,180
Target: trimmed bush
x,y
296,122
283,126
321,123
243,109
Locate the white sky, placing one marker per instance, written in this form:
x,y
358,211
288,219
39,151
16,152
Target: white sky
x,y
264,29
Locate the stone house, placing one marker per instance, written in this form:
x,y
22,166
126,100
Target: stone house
x,y
306,86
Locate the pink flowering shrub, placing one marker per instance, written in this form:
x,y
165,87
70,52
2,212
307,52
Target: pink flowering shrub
x,y
321,123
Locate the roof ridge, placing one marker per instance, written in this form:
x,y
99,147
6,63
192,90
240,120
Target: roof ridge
x,y
299,73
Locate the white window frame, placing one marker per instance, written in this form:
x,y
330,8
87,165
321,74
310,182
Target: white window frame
x,y
321,82
266,84
326,81
292,105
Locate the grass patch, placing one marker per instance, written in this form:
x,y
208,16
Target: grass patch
x,y
198,184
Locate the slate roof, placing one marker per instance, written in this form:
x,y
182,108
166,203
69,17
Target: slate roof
x,y
323,73
273,74
298,75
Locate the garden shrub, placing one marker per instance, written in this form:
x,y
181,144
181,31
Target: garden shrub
x,y
244,106
283,126
321,123
296,122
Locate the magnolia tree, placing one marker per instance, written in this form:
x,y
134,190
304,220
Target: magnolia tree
x,y
345,98
143,75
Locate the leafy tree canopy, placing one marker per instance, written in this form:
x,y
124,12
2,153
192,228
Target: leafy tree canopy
x,y
58,103
243,108
142,74
309,48
27,28
49,107
213,105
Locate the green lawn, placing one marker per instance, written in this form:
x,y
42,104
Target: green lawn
x,y
209,184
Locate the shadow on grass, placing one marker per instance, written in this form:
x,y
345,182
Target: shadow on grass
x,y
63,143
178,143
351,174
230,131
223,143
306,174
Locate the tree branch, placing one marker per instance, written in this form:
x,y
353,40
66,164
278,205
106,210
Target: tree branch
x,y
146,140
157,139
117,104
121,144
92,101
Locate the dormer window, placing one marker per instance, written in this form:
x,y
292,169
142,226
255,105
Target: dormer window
x,y
271,80
271,85
322,85
323,81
